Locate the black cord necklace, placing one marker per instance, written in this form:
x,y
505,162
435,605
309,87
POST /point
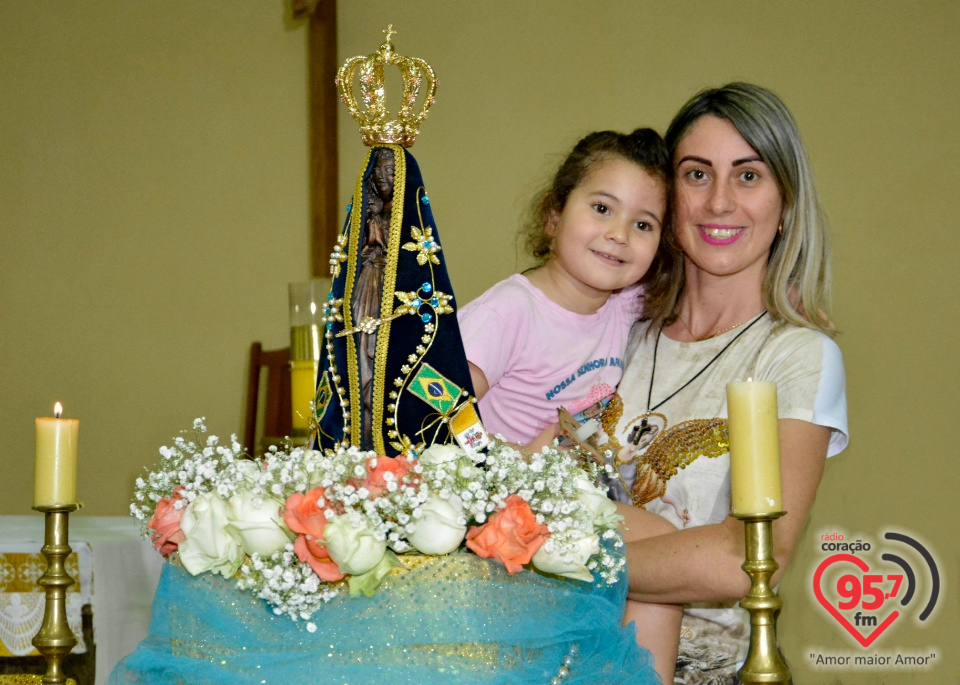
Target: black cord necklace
x,y
644,427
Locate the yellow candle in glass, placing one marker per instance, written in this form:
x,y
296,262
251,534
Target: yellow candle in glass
x,y
754,447
303,390
55,468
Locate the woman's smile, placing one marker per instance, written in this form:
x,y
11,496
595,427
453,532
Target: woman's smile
x,y
720,234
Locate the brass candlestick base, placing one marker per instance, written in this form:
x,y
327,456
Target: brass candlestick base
x,y
764,663
55,640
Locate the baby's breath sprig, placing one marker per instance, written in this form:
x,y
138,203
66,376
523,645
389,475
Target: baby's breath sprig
x,y
196,462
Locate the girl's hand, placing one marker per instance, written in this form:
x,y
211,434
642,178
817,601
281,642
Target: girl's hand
x,y
546,438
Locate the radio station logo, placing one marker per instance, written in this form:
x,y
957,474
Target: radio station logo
x,y
867,595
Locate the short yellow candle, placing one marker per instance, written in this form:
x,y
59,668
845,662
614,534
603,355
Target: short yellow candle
x,y
55,468
303,390
754,447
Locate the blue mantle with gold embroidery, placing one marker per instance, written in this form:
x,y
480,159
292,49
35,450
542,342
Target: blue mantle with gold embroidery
x,y
393,373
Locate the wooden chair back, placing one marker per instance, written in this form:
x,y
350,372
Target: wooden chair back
x,y
277,418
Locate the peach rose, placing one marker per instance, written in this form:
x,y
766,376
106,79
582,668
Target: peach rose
x,y
165,523
304,517
375,482
511,536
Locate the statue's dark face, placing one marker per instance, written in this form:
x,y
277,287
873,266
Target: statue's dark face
x,y
383,174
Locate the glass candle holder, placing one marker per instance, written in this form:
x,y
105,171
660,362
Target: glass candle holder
x,y
306,312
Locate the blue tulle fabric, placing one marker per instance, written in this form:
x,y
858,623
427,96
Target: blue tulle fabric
x,y
454,619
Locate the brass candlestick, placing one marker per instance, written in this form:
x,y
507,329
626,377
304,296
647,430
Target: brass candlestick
x,y
55,640
764,663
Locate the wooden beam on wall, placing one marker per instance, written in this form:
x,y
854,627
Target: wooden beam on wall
x,y
321,73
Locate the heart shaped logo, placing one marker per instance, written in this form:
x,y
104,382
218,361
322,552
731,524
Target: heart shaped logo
x,y
865,640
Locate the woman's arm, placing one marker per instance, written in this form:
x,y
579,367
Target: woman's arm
x,y
702,564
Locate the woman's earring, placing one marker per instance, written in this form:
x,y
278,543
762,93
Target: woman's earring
x,y
780,229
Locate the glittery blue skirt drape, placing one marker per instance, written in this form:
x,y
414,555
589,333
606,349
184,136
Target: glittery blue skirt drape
x,y
455,619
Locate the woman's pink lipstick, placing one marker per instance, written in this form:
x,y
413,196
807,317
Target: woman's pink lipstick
x,y
720,234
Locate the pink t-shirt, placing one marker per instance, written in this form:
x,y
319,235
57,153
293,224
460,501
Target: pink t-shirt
x,y
538,356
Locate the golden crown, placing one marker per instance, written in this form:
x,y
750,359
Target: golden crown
x,y
376,125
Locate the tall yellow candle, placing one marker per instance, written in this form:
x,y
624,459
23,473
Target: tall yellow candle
x,y
55,468
754,447
303,390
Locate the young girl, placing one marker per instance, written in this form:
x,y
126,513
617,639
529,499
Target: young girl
x,y
554,336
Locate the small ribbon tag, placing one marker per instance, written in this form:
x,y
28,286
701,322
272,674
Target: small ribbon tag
x,y
468,430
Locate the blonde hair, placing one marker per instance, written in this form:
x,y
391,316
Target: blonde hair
x,y
796,287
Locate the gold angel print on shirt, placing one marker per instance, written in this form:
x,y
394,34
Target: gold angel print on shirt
x,y
668,450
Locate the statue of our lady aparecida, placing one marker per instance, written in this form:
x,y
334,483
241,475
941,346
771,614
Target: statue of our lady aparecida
x,y
394,381
394,377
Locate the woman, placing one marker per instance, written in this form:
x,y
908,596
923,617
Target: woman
x,y
750,301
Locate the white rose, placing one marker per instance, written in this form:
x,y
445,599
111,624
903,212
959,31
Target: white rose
x,y
441,454
573,563
601,509
256,524
439,530
352,548
208,545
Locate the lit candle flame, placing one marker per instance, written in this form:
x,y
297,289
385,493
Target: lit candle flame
x,y
57,410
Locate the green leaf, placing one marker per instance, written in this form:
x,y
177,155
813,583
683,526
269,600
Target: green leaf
x,y
367,583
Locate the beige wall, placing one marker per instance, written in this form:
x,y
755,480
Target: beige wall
x,y
153,207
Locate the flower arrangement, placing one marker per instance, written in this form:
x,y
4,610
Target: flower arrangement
x,y
298,526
